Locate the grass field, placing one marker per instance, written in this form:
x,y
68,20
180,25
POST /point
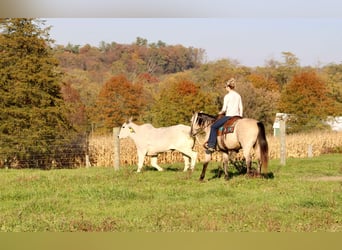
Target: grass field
x,y
304,196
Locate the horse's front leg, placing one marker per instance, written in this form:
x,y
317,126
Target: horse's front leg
x,y
205,165
141,157
186,163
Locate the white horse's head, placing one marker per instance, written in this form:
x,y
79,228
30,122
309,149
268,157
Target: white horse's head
x,y
127,129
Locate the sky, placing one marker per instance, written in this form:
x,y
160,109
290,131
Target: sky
x,y
249,31
250,41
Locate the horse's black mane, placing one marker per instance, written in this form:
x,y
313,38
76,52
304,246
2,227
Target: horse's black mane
x,y
204,118
201,114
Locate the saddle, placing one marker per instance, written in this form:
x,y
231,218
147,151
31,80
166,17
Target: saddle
x,y
229,126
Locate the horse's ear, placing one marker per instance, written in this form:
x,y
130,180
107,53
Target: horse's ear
x,y
130,119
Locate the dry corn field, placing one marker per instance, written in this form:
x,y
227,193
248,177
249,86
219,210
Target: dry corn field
x,y
101,149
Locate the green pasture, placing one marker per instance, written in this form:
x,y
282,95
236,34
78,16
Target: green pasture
x,y
303,196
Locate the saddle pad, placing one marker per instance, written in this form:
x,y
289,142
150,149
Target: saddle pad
x,y
229,126
225,130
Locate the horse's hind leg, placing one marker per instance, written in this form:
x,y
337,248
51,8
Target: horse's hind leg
x,y
247,155
154,163
258,167
225,161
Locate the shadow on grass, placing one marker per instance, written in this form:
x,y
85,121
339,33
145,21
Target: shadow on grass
x,y
239,168
165,168
235,169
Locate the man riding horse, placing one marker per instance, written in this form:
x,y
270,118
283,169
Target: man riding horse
x,y
232,106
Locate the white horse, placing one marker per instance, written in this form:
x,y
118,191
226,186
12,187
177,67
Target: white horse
x,y
151,141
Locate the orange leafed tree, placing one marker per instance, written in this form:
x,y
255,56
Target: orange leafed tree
x,y
118,100
76,109
177,101
306,98
261,81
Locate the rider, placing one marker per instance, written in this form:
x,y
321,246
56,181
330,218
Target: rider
x,y
232,106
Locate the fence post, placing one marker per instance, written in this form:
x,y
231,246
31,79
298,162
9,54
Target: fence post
x,y
310,153
116,155
282,123
87,161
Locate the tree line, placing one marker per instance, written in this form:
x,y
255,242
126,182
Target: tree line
x,y
111,93
52,96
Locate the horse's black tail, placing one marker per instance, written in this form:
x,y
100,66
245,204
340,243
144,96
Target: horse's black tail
x,y
263,147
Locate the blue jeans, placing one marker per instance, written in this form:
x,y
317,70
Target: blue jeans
x,y
213,130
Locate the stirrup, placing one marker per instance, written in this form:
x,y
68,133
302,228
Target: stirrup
x,y
211,150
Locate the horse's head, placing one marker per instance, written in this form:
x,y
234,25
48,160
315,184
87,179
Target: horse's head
x,y
199,122
126,129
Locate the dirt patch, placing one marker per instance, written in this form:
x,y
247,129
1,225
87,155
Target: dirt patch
x,y
327,178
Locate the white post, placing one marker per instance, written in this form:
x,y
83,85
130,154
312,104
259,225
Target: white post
x,y
87,161
310,154
88,164
116,148
282,141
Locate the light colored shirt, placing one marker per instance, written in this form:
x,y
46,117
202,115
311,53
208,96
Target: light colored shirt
x,y
232,104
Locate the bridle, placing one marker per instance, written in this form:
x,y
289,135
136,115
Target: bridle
x,y
201,128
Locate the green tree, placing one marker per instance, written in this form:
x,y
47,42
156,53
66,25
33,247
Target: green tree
x,y
305,98
281,72
33,125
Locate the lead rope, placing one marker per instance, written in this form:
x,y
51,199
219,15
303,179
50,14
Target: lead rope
x,y
199,141
202,129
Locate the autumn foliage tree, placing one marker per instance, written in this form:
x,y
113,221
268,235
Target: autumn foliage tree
x,y
177,100
76,109
119,99
258,103
306,100
262,81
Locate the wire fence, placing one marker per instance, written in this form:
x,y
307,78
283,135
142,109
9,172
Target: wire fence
x,y
43,153
99,151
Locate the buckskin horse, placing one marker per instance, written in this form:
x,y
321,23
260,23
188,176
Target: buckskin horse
x,y
245,134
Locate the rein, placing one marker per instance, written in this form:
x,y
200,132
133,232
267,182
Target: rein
x,y
201,130
201,143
